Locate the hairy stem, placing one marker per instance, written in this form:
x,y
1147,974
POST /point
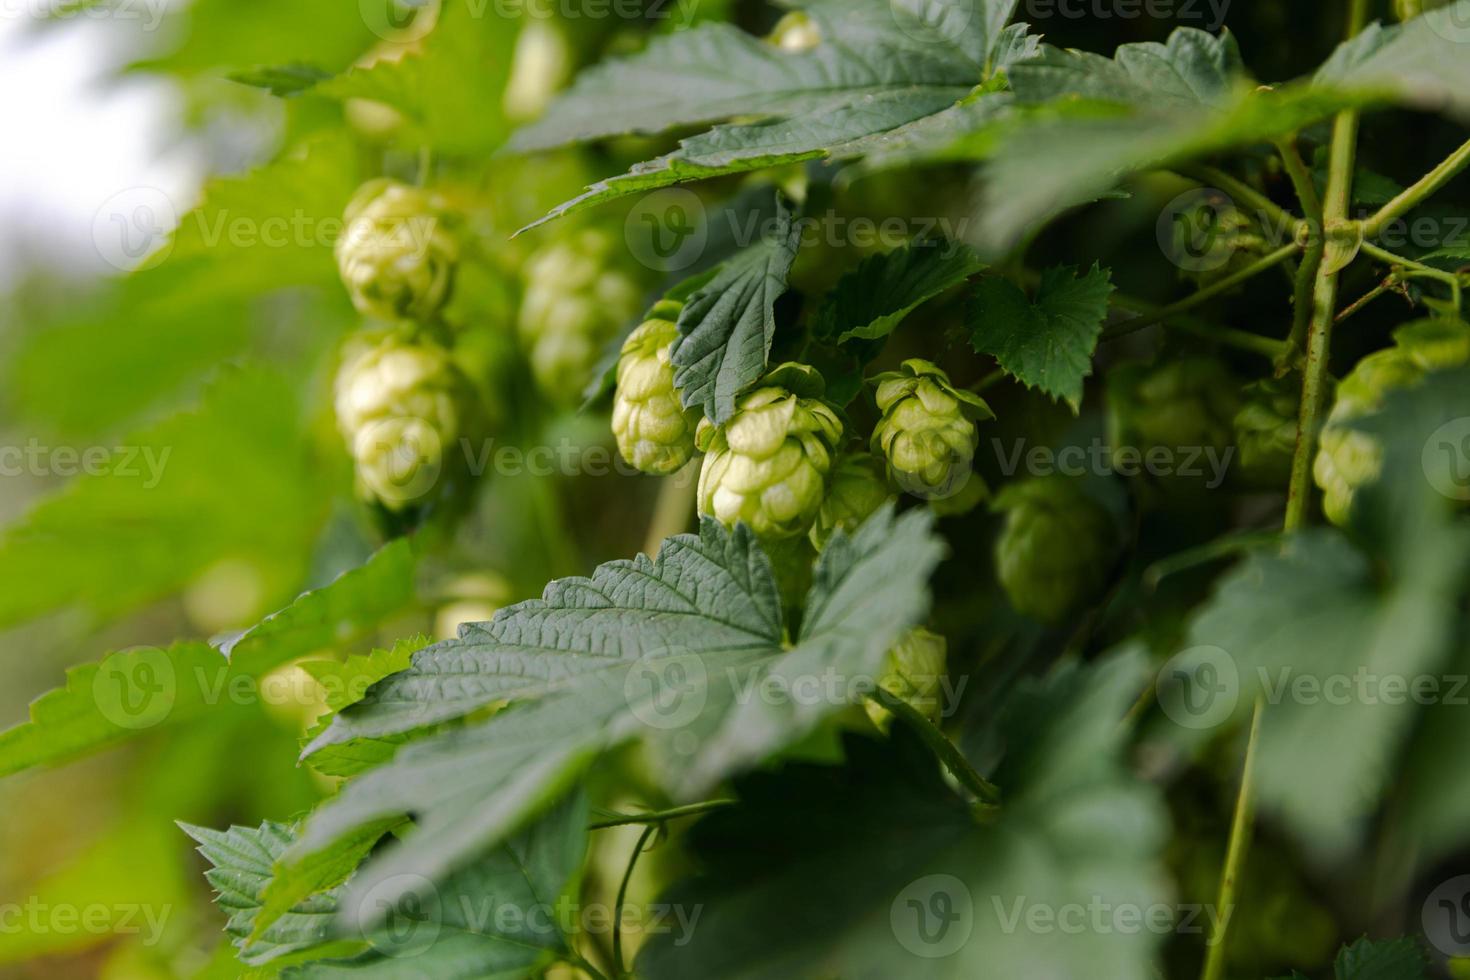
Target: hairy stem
x,y
1415,195
617,932
954,760
1245,805
1301,179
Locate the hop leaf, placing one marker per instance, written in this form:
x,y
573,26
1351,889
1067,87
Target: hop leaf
x,y
396,257
1054,552
1349,459
768,465
655,433
858,489
576,300
402,405
926,432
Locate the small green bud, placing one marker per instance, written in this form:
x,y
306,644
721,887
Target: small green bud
x,y
914,673
576,301
1265,429
1055,550
655,433
857,489
1348,459
396,256
1182,405
926,433
401,407
768,465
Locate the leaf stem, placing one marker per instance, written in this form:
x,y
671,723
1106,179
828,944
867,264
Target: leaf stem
x,y
660,816
1301,178
1280,218
1234,854
1365,299
617,931
1412,269
1161,314
954,760
1413,196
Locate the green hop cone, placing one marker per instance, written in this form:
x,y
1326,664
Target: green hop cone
x,y
768,465
397,257
1186,407
796,32
913,673
655,433
1055,550
858,487
927,430
1265,430
576,301
402,407
1348,459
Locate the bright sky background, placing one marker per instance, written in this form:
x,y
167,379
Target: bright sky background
x,y
71,137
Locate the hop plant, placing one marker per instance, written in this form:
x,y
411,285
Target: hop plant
x,y
1180,405
1055,549
768,465
396,256
401,405
927,430
913,672
655,433
1265,429
858,488
575,302
1348,459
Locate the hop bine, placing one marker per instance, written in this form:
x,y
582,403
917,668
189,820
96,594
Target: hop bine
x,y
396,256
1055,550
654,432
402,406
576,301
768,465
927,430
1348,459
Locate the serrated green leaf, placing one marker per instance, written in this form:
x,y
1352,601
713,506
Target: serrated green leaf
x,y
1420,63
663,652
138,691
457,929
872,300
1046,343
1383,959
881,67
346,682
822,871
727,325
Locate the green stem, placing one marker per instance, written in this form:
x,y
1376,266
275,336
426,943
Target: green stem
x,y
1301,179
948,753
1204,295
1413,269
1280,219
660,816
988,381
1414,195
1301,301
1365,299
1234,854
617,935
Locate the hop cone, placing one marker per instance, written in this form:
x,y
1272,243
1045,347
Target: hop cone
x,y
913,672
1183,406
402,406
1055,549
575,302
768,465
655,433
1348,459
396,257
858,487
926,433
1265,430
